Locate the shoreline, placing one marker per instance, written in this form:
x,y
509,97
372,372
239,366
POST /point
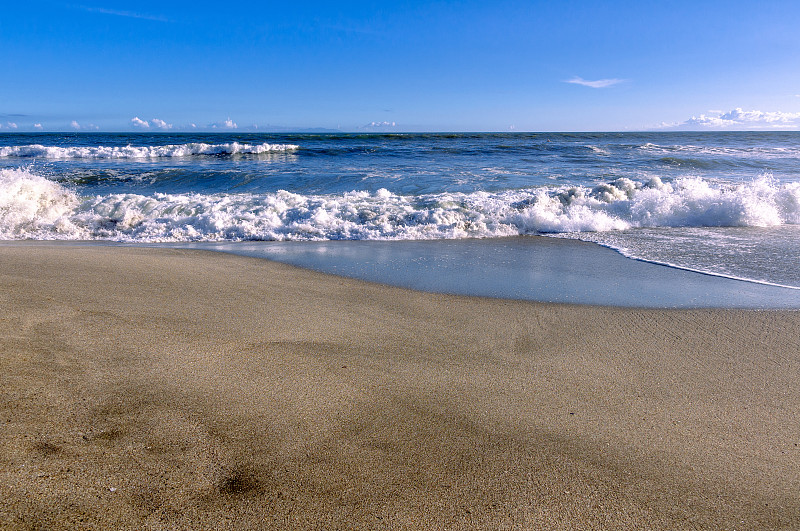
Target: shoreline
x,y
180,388
532,268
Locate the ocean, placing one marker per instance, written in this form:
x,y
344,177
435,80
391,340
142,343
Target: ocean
x,y
722,204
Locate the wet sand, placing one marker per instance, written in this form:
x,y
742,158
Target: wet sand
x,y
169,389
536,268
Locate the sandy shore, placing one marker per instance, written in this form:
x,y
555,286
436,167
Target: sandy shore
x,y
163,389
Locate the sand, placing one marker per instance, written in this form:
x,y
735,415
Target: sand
x,y
164,389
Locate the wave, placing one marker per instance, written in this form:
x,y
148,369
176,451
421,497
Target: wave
x,y
141,152
34,207
598,150
708,164
723,151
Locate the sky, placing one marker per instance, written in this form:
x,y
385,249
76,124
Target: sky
x,y
497,65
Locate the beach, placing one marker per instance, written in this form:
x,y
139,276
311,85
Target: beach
x,y
175,389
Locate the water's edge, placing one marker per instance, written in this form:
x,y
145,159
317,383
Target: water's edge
x,y
527,267
530,268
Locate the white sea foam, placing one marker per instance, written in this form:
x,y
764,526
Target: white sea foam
x,y
34,207
140,152
756,254
598,150
761,152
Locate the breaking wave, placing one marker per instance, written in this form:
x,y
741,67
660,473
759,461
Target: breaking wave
x,y
34,207
141,152
739,152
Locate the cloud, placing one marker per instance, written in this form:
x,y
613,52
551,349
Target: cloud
x,y
88,127
118,13
38,126
600,83
227,124
11,125
155,122
380,125
139,123
161,124
740,119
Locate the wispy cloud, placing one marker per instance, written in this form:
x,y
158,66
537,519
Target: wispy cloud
x,y
599,83
740,119
118,13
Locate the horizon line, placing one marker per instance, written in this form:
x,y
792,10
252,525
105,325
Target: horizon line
x,y
325,131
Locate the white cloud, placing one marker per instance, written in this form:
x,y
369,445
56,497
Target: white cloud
x,y
741,119
75,125
380,125
155,122
11,125
138,122
38,126
227,124
708,121
599,83
739,115
161,124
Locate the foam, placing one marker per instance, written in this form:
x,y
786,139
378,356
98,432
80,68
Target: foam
x,y
768,152
141,152
34,207
742,253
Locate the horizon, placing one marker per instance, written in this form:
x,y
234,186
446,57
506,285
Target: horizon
x,y
321,131
451,66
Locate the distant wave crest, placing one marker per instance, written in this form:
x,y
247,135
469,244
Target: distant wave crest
x,y
141,152
745,152
32,206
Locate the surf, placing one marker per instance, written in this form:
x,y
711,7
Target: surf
x,y
142,152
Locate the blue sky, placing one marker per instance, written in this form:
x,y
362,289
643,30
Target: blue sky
x,y
404,66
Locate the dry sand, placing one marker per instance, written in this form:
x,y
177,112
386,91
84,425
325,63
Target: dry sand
x,y
160,389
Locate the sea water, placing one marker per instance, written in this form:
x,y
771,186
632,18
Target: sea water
x,y
723,204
